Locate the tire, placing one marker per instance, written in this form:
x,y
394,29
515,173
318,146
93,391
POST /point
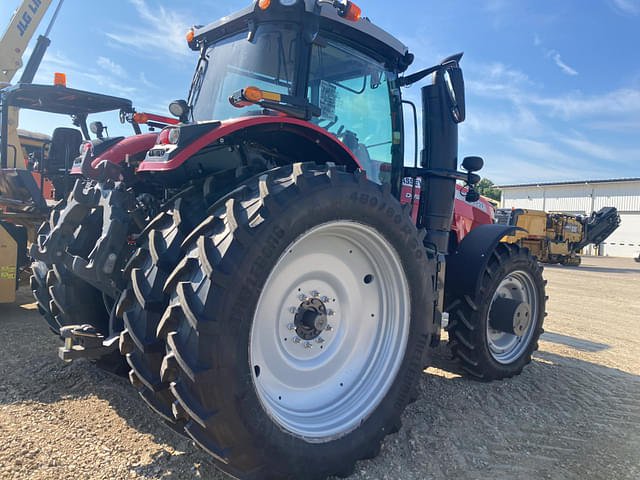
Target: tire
x,y
64,299
483,351
38,284
230,324
142,304
571,261
74,301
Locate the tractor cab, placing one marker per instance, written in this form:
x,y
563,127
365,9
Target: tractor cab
x,y
344,90
309,61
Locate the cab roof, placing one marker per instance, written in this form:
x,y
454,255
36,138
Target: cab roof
x,y
362,31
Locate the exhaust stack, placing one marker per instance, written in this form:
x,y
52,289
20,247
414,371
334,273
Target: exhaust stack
x,y
443,109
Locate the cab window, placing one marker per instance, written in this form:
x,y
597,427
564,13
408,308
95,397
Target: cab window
x,y
352,92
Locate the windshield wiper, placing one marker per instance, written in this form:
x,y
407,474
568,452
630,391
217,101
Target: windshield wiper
x,y
198,80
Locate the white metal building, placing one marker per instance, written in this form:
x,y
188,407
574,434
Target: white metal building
x,y
583,198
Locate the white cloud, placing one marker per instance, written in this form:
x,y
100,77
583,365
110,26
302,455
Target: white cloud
x,y
589,148
111,66
504,169
517,121
536,40
615,125
555,56
146,82
542,152
59,60
162,31
498,81
563,66
81,77
621,101
627,7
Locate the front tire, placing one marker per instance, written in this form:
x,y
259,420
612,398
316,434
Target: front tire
x,y
271,392
487,352
64,299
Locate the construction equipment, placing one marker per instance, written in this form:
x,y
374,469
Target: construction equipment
x,y
558,237
36,169
13,44
272,295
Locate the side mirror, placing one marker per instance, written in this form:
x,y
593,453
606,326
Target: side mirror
x,y
180,109
472,164
455,87
472,196
97,128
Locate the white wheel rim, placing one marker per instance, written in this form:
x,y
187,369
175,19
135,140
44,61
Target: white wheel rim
x,y
324,388
506,347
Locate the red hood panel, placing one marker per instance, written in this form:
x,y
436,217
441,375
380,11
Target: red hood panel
x,y
117,152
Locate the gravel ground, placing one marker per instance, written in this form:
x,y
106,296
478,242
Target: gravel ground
x,y
573,413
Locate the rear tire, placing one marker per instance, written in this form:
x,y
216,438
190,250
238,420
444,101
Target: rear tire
x,y
142,304
226,342
486,353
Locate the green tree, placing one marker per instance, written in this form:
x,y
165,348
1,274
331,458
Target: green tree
x,y
488,189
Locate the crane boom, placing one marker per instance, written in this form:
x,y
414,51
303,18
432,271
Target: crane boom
x,y
14,41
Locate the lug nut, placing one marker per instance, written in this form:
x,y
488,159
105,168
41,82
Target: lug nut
x,y
296,340
325,299
302,297
330,313
293,309
308,345
315,293
291,326
319,340
328,328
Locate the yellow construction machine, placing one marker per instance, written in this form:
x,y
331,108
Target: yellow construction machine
x,y
13,44
558,237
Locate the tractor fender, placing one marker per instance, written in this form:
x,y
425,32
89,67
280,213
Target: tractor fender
x,y
259,124
465,265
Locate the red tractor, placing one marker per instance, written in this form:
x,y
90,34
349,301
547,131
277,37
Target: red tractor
x,y
273,297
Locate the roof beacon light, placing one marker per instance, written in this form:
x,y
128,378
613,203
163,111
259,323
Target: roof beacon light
x,y
350,12
264,4
346,8
288,3
189,35
60,78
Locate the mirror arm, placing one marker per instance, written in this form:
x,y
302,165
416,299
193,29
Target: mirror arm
x,y
435,172
415,77
452,60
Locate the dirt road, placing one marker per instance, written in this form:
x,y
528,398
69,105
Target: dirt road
x,y
573,413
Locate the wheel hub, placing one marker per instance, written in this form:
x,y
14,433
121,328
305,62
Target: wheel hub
x,y
310,319
511,316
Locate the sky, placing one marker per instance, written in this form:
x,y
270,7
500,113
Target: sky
x,y
552,87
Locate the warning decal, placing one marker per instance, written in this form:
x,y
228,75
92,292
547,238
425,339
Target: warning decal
x,y
327,101
7,271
